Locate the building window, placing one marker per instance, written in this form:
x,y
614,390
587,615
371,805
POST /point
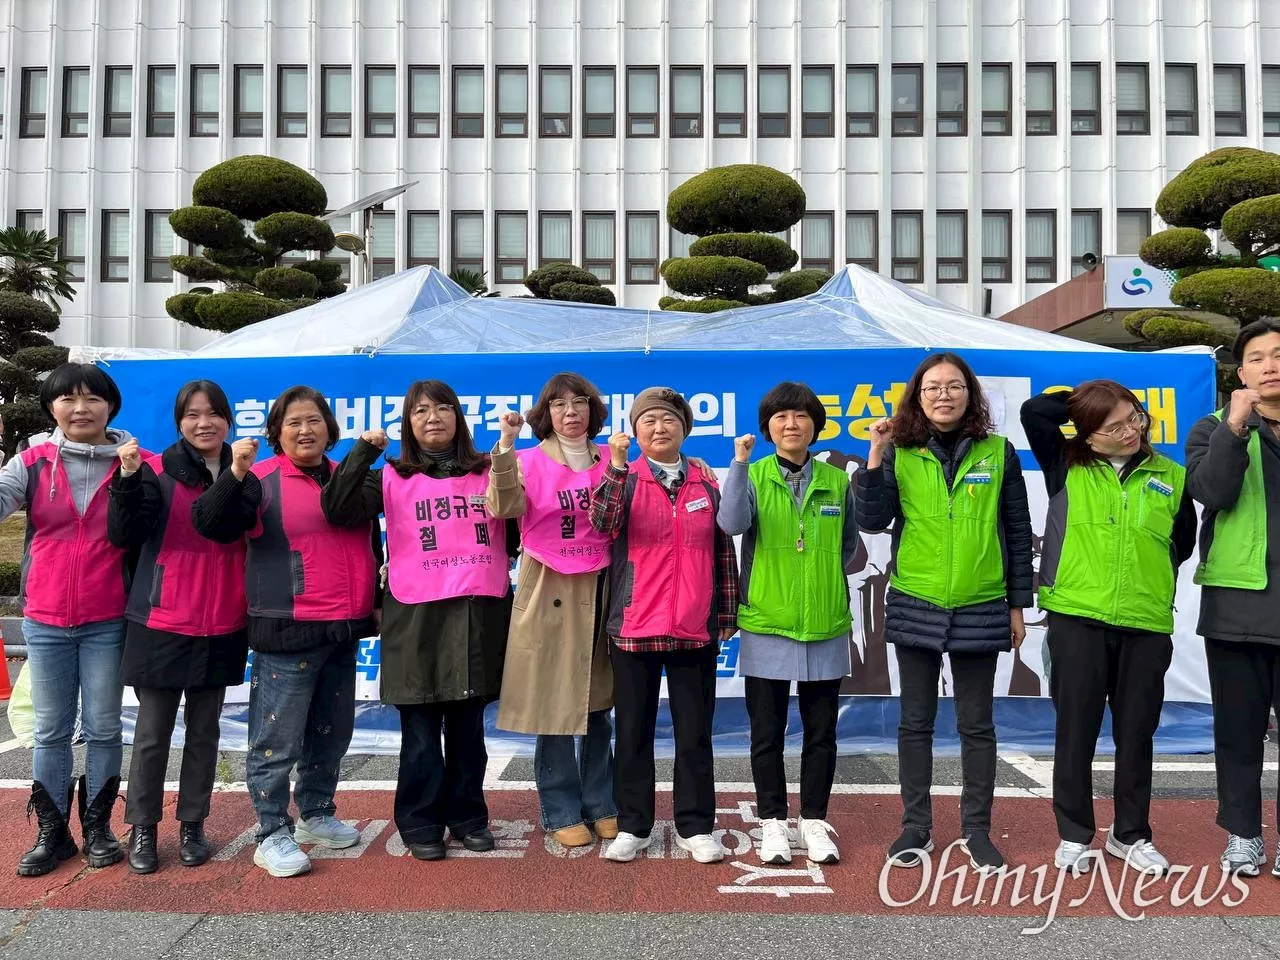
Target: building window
x,y
997,242
1042,246
773,102
1228,101
1042,100
513,102
555,101
908,246
203,119
1270,101
159,245
642,248
118,102
861,95
1181,113
952,108
1086,99
161,101
1086,238
424,101
555,237
424,238
952,259
908,108
468,102
248,102
512,252
686,101
75,103
379,101
817,102
468,240
115,246
997,100
1132,227
335,101
30,220
817,242
679,242
642,101
862,238
1133,99
730,101
598,249
71,231
291,101
382,253
35,91
598,102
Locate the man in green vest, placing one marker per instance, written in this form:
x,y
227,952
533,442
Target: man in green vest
x,y
1233,469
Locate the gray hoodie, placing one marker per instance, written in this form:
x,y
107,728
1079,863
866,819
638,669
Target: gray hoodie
x,y
86,466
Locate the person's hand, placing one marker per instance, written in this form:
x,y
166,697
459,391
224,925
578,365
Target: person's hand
x,y
1242,403
727,632
619,447
377,438
509,425
1017,626
243,454
130,457
742,447
881,436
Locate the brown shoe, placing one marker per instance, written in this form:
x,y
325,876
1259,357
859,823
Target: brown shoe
x,y
575,836
607,829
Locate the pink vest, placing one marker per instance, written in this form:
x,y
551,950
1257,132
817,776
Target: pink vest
x,y
441,541
71,574
670,555
556,528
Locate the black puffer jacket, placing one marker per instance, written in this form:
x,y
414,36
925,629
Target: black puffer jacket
x,y
982,627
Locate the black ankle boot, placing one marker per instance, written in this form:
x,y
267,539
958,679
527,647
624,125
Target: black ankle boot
x,y
53,842
100,844
142,849
195,845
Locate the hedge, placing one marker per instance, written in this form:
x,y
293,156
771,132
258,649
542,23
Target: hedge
x,y
207,226
726,277
286,283
20,310
1202,193
231,311
762,248
583,293
800,283
740,198
10,576
1253,224
1176,248
710,305
1245,293
255,186
294,231
541,281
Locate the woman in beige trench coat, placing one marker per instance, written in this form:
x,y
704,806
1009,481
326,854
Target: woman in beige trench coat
x,y
557,681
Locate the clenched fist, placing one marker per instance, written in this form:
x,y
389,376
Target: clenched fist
x,y
130,457
509,425
243,453
742,447
1242,403
377,438
619,446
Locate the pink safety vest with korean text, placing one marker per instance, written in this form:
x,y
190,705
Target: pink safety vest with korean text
x,y
555,528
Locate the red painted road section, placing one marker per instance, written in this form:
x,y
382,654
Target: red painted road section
x,y
531,873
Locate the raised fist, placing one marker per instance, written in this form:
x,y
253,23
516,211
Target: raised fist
x,y
130,457
377,438
509,425
619,446
742,447
243,454
1242,403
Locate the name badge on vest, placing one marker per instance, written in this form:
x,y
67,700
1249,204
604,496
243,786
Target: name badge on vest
x,y
702,503
829,510
478,500
1161,488
983,477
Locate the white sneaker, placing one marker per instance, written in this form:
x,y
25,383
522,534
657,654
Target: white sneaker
x,y
280,856
1244,855
625,846
775,844
815,837
704,847
1142,855
326,832
1073,856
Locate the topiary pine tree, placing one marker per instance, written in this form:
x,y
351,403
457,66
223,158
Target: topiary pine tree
x,y
733,211
1235,190
284,202
25,324
564,281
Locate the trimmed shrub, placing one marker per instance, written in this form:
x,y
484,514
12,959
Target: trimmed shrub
x,y
1176,248
15,380
207,226
800,283
10,572
326,271
739,198
253,187
1253,224
1202,193
294,231
286,283
41,359
331,288
541,281
19,311
182,307
231,311
1133,322
724,277
583,293
1245,293
198,268
710,305
763,248
30,338
1170,331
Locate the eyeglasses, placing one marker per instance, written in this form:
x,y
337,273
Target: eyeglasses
x,y
1137,422
439,409
560,405
936,391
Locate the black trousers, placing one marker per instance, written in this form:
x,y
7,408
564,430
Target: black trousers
x,y
767,703
1092,666
157,713
691,689
974,676
437,786
1244,681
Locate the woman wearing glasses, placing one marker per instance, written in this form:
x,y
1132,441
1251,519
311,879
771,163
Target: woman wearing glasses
x,y
953,493
1119,525
558,683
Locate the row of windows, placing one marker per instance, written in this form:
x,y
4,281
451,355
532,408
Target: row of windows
x,y
598,246
686,110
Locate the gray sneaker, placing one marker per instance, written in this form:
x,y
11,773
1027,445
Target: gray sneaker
x,y
280,856
1244,855
1275,868
326,832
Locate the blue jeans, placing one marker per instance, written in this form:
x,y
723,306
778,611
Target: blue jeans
x,y
575,775
69,665
301,711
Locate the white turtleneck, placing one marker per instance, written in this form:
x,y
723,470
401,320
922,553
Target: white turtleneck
x,y
577,453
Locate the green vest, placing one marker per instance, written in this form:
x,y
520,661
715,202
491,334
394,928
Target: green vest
x,y
1116,564
798,593
949,550
1238,554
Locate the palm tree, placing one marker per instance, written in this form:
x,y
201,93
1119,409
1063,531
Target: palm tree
x,y
30,264
471,281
